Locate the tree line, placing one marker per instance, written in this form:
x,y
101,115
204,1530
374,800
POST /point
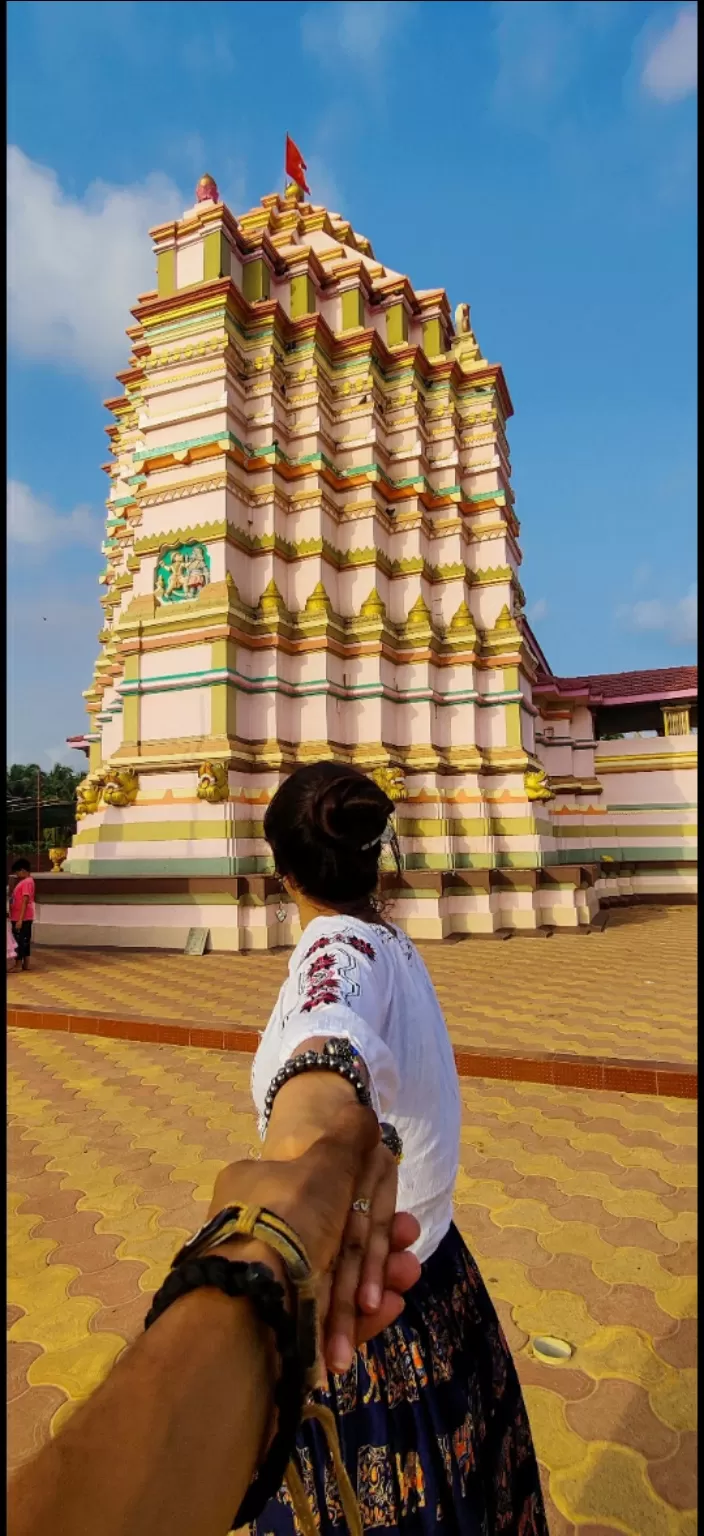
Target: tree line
x,y
56,790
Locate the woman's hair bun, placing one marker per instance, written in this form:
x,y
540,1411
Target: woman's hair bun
x,y
350,809
324,827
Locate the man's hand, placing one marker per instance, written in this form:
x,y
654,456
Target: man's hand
x,y
313,1193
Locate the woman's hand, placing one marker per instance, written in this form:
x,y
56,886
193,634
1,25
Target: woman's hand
x,y
365,1296
360,1288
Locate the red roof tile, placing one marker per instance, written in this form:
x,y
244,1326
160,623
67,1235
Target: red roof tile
x,y
612,687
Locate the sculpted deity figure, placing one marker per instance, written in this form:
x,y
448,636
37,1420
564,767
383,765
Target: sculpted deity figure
x,y
181,573
538,786
462,325
392,782
121,785
196,572
88,794
176,579
212,783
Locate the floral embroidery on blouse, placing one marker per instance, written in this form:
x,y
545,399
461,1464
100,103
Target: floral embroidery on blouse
x,y
362,946
331,977
395,935
322,984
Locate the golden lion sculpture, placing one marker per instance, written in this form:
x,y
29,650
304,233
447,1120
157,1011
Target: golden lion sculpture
x,y
392,782
88,794
121,785
212,783
537,786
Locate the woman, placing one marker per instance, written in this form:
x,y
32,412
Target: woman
x,y
430,1416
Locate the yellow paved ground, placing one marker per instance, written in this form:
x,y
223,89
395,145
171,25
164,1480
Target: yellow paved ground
x,y
628,993
579,1207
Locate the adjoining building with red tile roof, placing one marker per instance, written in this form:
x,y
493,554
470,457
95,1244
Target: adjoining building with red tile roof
x,y
619,688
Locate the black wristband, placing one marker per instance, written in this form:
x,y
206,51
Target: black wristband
x,y
256,1283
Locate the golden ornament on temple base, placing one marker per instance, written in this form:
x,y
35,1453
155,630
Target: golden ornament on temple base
x,y
212,783
538,786
392,781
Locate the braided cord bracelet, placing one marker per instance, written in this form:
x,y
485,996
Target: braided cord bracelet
x,y
296,1343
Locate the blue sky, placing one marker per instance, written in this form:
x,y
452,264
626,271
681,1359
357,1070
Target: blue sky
x,y
536,159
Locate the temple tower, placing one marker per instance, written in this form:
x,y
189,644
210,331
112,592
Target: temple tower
x,y
311,551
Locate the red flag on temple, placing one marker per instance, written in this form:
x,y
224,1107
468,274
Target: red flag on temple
x,y
296,165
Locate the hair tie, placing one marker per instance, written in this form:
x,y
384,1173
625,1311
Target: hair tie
x,y
387,836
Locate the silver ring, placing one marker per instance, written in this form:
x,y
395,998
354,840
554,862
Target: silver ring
x,y
362,1205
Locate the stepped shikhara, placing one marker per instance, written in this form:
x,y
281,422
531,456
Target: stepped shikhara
x,y
311,551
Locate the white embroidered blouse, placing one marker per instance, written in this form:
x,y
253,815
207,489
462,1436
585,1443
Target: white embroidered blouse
x,y
368,983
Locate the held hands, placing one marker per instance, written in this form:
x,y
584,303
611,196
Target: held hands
x,y
363,1300
360,1255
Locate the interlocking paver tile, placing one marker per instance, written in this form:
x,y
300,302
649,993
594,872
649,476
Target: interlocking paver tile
x,y
629,993
113,1150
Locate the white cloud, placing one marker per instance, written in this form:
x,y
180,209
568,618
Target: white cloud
x,y
541,46
33,521
531,44
77,265
538,610
353,32
677,620
669,70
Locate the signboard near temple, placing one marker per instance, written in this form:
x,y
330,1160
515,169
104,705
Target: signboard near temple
x,y
196,941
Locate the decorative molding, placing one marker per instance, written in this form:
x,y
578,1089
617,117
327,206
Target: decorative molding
x,y
644,762
461,625
272,605
204,533
180,490
318,603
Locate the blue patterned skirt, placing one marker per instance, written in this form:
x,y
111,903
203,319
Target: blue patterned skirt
x,y
432,1425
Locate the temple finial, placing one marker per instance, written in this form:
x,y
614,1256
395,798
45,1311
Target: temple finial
x,y
207,190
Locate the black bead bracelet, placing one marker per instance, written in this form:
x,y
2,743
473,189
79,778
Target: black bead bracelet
x,y
336,1056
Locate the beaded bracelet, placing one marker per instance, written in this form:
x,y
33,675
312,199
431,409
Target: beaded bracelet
x,y
336,1056
391,1140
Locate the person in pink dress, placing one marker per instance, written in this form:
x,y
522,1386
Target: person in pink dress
x,y
22,912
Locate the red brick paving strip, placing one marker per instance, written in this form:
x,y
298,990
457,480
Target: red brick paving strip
x,y
661,1078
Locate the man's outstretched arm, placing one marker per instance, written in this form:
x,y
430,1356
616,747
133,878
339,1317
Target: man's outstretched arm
x,y
170,1442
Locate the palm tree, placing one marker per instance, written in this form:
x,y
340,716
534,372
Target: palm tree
x,y
22,781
